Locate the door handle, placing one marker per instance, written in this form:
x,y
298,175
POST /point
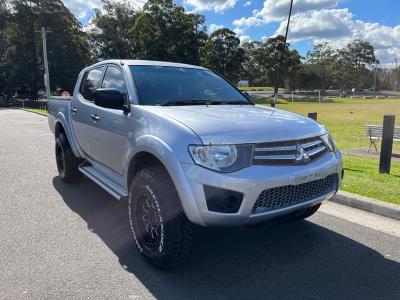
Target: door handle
x,y
74,110
95,117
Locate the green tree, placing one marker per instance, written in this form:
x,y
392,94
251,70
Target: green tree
x,y
253,68
223,54
111,37
280,69
4,19
360,55
67,45
164,31
320,61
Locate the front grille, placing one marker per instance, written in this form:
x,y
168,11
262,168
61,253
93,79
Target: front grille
x,y
288,195
289,152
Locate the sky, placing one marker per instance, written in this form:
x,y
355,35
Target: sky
x,y
336,22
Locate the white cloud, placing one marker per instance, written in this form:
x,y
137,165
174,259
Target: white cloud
x,y
277,10
321,21
213,27
247,22
81,7
315,24
247,3
244,39
337,27
215,5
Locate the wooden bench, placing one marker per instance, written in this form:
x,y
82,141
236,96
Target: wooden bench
x,y
374,133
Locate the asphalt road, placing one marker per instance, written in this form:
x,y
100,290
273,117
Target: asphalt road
x,y
59,241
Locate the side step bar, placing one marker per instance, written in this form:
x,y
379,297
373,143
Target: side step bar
x,y
108,185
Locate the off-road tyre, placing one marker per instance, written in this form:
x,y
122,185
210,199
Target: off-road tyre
x,y
304,213
67,163
162,233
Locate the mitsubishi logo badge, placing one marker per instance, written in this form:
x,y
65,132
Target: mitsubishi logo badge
x,y
301,156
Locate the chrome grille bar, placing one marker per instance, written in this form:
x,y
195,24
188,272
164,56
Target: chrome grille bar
x,y
289,152
316,151
311,144
271,149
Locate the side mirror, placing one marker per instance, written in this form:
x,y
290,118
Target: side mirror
x,y
110,98
247,95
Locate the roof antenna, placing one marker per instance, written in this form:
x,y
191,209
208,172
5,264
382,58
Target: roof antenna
x,y
278,69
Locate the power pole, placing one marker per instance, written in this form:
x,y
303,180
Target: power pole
x,y
44,33
278,70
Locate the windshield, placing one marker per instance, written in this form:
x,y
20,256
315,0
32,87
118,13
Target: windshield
x,y
157,85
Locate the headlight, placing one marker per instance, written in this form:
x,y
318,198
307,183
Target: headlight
x,y
329,142
223,158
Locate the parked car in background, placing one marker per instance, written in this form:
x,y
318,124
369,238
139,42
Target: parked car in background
x,y
185,147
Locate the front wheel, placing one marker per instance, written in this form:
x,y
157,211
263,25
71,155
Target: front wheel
x,y
67,163
163,234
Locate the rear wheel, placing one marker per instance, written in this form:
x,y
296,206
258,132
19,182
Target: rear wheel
x,y
163,234
67,163
304,213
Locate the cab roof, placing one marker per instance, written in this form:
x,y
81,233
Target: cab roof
x,y
138,62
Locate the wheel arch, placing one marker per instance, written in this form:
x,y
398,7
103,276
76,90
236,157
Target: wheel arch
x,y
152,150
61,126
141,160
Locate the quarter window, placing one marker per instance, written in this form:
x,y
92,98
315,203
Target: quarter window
x,y
91,83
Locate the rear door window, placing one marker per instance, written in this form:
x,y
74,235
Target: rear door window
x,y
91,83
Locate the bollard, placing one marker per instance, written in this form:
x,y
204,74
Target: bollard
x,y
313,115
387,144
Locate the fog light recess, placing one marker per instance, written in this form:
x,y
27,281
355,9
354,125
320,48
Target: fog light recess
x,y
221,200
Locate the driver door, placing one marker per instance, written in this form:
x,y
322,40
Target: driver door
x,y
110,126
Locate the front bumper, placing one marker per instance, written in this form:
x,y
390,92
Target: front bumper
x,y
251,182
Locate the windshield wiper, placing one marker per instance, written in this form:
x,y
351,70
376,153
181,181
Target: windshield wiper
x,y
237,103
188,102
202,102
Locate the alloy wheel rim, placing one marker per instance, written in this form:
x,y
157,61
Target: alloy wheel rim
x,y
149,222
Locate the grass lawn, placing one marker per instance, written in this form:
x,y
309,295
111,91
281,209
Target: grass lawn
x,y
345,120
42,111
256,88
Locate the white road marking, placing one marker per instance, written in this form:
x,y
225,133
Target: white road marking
x,y
366,219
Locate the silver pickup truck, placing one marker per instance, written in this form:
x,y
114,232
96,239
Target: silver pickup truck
x,y
185,147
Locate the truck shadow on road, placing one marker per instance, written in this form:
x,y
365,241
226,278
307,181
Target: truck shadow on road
x,y
279,260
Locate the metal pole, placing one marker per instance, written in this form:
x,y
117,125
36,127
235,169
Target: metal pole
x,y
387,144
376,70
395,76
319,96
46,64
292,96
277,77
313,115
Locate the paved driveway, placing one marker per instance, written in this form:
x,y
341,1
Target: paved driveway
x,y
59,241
